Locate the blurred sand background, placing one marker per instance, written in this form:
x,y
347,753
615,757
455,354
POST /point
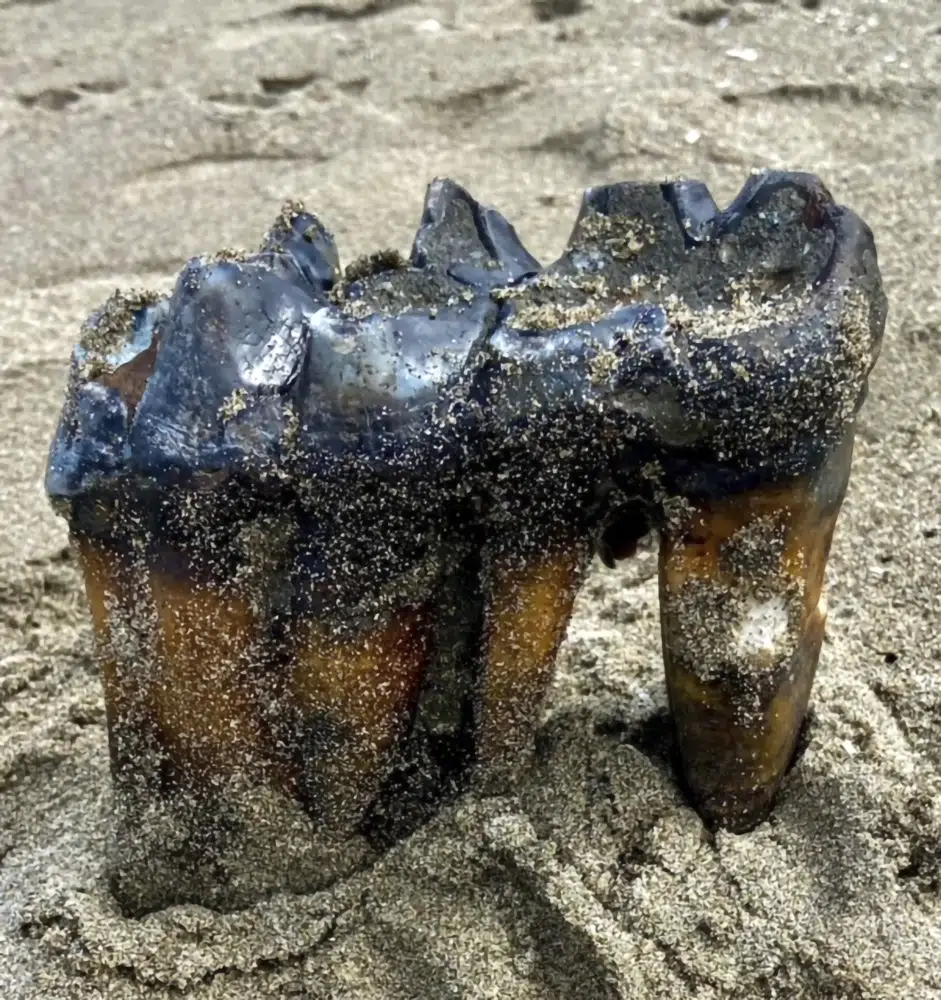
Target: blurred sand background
x,y
134,135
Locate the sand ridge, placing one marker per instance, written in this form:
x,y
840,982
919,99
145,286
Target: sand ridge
x,y
134,136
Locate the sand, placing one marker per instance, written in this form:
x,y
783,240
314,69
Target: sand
x,y
135,135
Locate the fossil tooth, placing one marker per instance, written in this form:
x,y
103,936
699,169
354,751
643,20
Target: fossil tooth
x,y
332,525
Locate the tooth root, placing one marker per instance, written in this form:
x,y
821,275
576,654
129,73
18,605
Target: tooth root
x,y
103,587
108,588
204,642
743,610
174,656
530,598
356,697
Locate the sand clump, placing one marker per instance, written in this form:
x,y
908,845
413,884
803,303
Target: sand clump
x,y
132,138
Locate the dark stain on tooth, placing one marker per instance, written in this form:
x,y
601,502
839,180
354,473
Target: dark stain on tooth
x,y
333,520
241,99
839,92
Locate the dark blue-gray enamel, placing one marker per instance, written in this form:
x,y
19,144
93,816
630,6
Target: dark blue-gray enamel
x,y
481,250
231,328
307,247
695,210
90,445
420,368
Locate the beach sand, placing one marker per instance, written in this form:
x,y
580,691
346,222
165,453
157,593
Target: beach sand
x,y
135,135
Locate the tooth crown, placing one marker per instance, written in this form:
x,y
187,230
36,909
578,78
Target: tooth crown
x,y
730,346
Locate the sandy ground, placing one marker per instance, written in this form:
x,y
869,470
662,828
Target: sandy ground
x,y
134,135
